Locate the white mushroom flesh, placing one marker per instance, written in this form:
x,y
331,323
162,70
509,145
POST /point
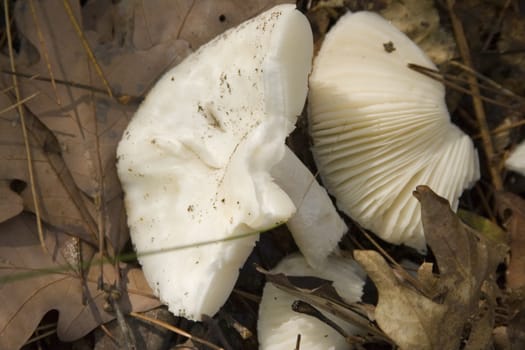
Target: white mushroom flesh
x,y
380,129
316,226
516,160
194,162
279,325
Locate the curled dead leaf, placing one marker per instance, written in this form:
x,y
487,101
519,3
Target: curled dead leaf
x,y
466,262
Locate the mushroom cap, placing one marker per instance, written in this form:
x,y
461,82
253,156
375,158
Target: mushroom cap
x,y
194,161
379,129
279,325
516,160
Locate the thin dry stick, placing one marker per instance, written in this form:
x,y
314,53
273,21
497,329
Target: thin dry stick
x,y
43,49
109,334
485,204
448,79
477,102
508,127
298,342
122,99
40,336
24,132
176,330
21,102
85,43
498,88
100,201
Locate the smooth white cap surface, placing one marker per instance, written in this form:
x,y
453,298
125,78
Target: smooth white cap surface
x,y
516,161
380,129
194,162
279,325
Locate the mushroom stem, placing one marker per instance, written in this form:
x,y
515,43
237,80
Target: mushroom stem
x,y
316,226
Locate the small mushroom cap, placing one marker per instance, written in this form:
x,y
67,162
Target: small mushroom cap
x,y
516,161
194,162
279,325
380,129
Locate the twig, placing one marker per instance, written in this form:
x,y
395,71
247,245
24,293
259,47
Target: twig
x,y
498,87
475,92
176,330
24,131
448,79
298,342
307,309
21,102
121,98
40,336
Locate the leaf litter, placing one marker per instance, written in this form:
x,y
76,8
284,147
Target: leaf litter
x,y
438,317
74,125
73,131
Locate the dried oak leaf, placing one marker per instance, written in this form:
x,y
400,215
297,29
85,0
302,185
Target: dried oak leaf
x,y
11,204
86,123
33,283
511,209
61,203
436,319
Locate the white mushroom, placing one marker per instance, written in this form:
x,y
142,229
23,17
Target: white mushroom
x,y
516,160
194,162
279,325
380,129
316,226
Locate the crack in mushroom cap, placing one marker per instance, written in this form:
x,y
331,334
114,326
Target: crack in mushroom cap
x,y
279,325
380,129
194,160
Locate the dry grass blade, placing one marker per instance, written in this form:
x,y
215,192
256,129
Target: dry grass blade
x,y
475,92
21,102
449,80
40,336
88,49
176,330
24,130
307,309
123,99
43,48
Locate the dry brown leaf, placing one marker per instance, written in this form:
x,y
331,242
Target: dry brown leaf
x,y
11,204
405,315
33,283
511,209
60,202
87,124
466,261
